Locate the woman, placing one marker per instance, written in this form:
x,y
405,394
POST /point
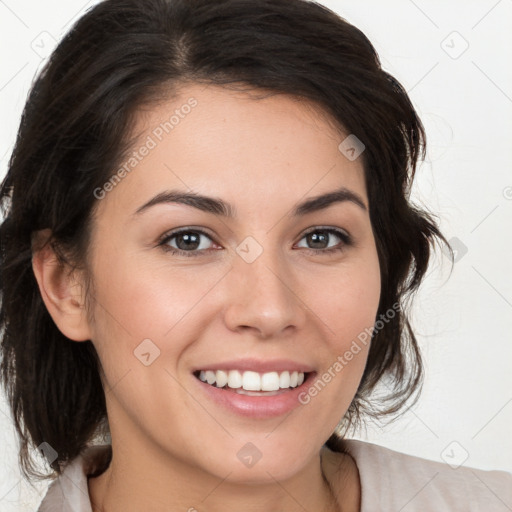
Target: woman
x,y
206,250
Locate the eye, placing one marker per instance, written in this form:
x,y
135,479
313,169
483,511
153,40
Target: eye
x,y
320,238
185,242
192,242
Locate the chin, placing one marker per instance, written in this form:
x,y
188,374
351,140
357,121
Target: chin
x,y
256,460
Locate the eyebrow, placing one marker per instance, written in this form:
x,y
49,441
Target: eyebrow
x,y
221,208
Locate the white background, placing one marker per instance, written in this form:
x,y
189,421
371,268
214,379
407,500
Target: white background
x,y
463,321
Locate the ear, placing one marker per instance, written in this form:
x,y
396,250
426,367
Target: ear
x,y
61,291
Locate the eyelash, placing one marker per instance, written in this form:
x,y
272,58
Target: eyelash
x,y
345,237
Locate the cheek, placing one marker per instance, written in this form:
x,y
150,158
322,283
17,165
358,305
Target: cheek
x,y
348,313
137,300
349,300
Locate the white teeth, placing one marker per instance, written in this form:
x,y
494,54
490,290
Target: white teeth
x,y
270,381
210,377
252,381
284,380
235,379
221,378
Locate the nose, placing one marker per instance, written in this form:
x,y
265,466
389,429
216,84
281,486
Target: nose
x,y
263,296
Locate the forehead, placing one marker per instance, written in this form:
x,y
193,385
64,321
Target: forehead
x,y
252,148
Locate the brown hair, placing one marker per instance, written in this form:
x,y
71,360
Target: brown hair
x,y
74,131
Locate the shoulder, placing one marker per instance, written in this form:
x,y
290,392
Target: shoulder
x,y
392,480
69,492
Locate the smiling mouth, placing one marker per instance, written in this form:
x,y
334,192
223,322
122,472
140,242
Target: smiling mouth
x,y
252,383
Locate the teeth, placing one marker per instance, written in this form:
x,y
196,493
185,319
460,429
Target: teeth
x,y
221,378
270,381
235,379
284,380
252,381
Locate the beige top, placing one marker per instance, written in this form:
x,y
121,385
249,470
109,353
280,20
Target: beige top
x,y
390,482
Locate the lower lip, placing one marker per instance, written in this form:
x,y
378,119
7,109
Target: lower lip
x,y
257,406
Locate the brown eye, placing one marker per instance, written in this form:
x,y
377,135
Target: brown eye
x,y
318,240
186,242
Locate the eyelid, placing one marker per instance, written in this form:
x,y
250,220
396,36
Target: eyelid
x,y
341,233
345,237
325,228
177,231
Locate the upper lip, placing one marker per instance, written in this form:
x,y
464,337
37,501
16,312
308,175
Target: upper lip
x,y
258,365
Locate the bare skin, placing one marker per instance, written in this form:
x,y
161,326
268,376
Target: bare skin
x,y
174,448
340,471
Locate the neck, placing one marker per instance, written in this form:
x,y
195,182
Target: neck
x,y
147,479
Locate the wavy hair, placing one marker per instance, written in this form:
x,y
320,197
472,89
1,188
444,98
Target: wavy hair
x,y
75,129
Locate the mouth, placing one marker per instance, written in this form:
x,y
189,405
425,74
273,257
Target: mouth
x,y
251,383
255,388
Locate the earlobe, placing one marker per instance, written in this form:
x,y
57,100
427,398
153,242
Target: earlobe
x,y
61,292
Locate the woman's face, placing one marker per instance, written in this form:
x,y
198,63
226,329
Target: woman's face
x,y
266,286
